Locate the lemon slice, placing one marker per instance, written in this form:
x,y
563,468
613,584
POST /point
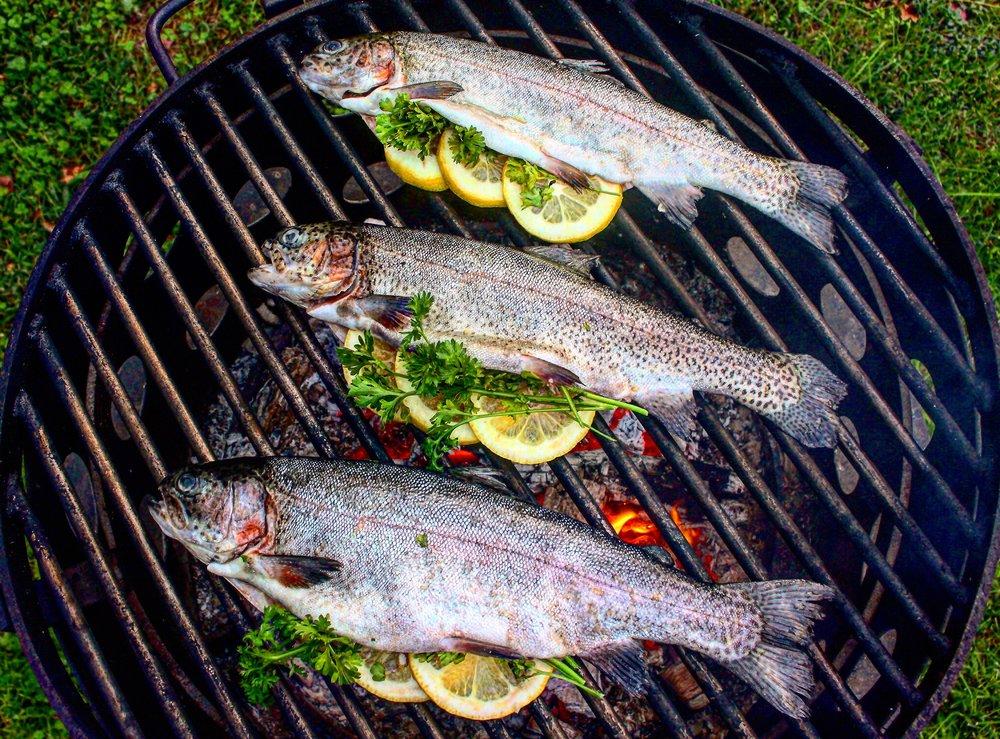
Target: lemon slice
x,y
478,688
569,216
532,438
479,184
383,352
423,409
423,173
395,681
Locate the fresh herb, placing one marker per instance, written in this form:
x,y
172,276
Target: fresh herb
x,y
445,370
467,145
564,668
535,182
333,109
283,643
440,660
377,671
422,540
408,125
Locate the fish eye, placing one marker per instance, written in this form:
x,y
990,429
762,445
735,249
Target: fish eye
x,y
186,482
290,237
332,47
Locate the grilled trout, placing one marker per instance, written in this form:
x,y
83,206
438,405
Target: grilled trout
x,y
574,122
541,312
403,560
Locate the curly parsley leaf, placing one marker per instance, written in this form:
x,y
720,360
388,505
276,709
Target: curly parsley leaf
x,y
535,182
283,642
467,144
408,125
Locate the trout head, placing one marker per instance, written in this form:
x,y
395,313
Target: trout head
x,y
350,68
217,511
310,263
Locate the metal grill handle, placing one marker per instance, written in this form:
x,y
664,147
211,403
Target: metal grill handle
x,y
154,30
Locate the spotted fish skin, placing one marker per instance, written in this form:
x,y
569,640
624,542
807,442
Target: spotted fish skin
x,y
567,119
418,562
515,311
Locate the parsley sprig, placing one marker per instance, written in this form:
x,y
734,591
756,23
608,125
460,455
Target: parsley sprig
x,y
445,370
283,643
408,125
536,183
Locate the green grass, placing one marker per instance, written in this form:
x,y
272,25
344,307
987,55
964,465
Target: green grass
x,y
73,73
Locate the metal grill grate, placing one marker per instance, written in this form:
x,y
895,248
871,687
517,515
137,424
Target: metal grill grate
x,y
156,223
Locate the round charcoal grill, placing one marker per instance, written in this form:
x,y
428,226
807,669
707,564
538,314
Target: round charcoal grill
x,y
139,324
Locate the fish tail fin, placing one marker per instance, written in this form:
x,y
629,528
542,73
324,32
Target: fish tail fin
x,y
778,668
812,418
817,189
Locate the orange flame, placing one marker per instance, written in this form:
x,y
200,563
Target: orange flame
x,y
630,522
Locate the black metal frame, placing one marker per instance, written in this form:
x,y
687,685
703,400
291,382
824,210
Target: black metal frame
x,y
907,287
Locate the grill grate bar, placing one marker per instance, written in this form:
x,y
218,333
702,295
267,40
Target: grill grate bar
x,y
106,372
101,568
70,399
332,378
864,170
93,660
224,279
799,544
191,322
267,110
158,470
26,615
942,343
910,448
142,342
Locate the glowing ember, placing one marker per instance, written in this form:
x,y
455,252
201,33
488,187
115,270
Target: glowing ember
x,y
633,526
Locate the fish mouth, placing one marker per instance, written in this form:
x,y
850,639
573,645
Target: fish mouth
x,y
165,511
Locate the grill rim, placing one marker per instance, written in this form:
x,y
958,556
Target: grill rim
x,y
809,69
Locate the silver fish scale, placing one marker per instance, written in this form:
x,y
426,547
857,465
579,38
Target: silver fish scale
x,y
496,297
494,570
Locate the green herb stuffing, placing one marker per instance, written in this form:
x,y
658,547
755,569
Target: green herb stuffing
x,y
440,659
408,125
467,144
422,540
535,182
377,672
282,642
445,370
564,668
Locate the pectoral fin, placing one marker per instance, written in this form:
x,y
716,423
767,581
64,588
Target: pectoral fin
x,y
565,256
290,571
296,572
390,312
500,355
433,90
565,172
623,662
473,646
